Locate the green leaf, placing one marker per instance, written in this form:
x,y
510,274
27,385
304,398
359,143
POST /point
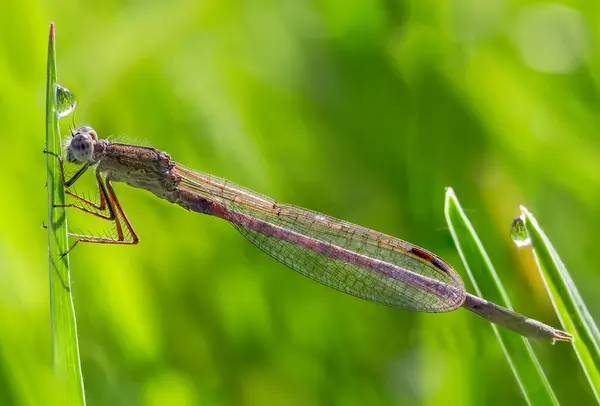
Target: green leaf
x,y
517,349
567,301
67,365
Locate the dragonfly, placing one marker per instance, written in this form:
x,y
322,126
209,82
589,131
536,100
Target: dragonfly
x,y
356,260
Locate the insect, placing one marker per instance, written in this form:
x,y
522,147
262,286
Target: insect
x,y
347,257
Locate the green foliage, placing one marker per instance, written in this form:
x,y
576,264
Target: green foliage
x,y
487,284
567,301
64,327
361,110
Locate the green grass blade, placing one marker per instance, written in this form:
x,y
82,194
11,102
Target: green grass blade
x,y
517,349
567,301
64,327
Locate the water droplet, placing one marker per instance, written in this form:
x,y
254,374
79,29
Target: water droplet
x,y
65,101
518,232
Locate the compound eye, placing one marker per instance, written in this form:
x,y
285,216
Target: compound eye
x,y
81,148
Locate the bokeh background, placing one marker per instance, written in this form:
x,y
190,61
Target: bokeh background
x,y
364,110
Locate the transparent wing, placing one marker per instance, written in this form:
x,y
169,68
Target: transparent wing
x,y
305,240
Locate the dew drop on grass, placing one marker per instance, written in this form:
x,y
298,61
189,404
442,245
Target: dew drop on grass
x,y
518,232
65,101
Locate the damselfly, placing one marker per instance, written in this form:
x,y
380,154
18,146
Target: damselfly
x,y
353,259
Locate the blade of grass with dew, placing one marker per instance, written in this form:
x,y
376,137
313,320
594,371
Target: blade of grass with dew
x,y
566,300
518,351
67,365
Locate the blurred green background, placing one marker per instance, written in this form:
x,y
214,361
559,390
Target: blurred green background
x,y
364,110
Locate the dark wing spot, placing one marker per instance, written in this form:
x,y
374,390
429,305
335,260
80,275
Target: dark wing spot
x,y
421,253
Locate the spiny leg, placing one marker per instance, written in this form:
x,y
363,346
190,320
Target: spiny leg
x,y
117,205
68,183
97,209
117,212
108,200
